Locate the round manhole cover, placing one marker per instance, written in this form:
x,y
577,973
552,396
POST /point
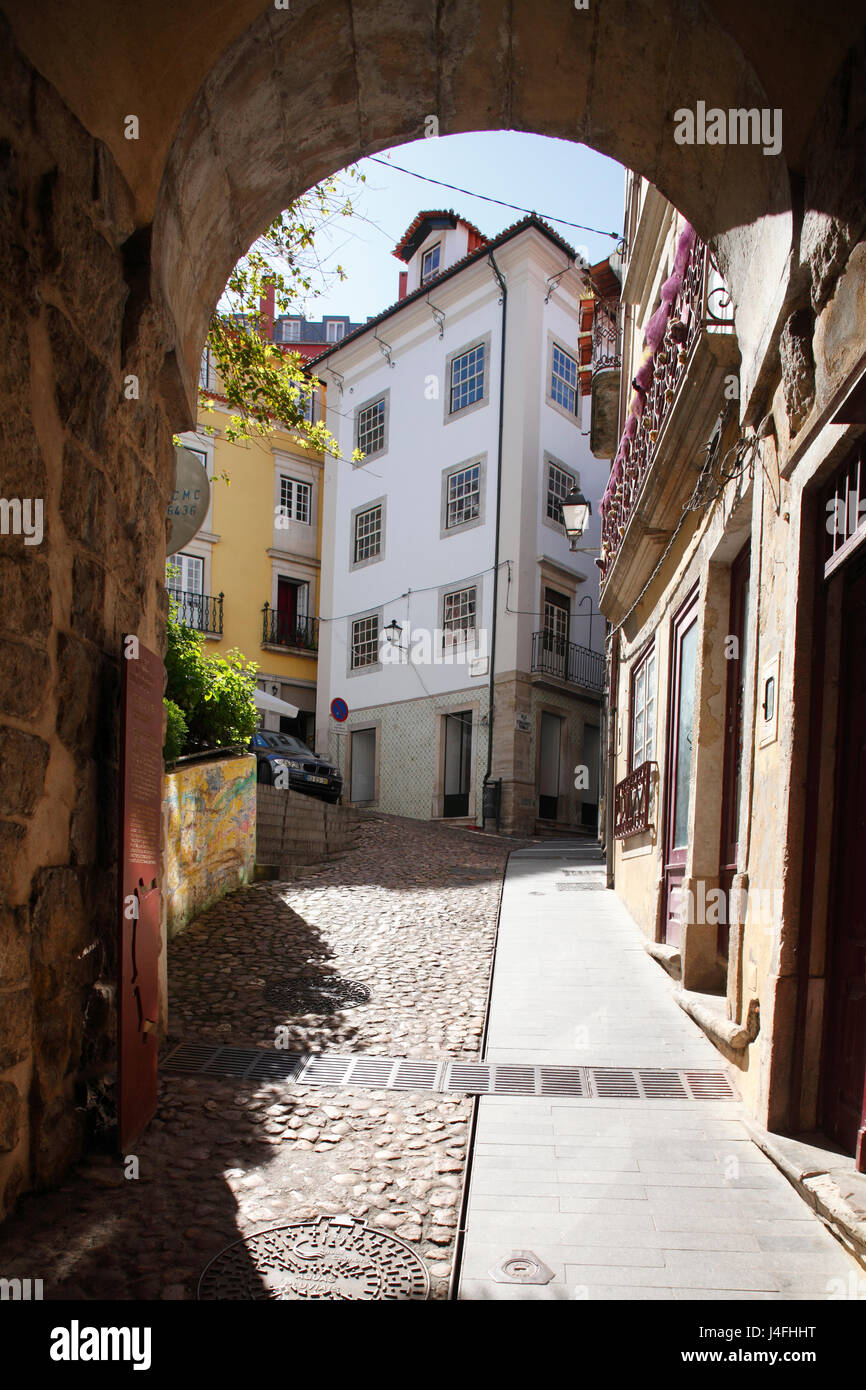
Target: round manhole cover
x,y
333,1257
316,994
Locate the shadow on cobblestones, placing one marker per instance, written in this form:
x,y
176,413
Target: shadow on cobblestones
x,y
411,914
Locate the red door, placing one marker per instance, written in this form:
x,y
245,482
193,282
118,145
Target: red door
x,y
287,612
734,703
845,1044
684,649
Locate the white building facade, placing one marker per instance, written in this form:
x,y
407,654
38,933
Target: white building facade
x,y
457,624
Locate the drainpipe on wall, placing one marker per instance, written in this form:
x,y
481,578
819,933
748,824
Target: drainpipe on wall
x,y
500,279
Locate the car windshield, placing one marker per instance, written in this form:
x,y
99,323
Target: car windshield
x,y
284,743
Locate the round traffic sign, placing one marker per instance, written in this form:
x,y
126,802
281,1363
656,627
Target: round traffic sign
x,y
340,710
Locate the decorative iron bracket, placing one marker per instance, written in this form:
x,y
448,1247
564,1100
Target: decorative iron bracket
x,y
385,349
438,317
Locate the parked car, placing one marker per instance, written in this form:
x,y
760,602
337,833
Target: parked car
x,y
307,772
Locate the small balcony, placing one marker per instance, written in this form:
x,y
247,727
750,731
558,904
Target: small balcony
x,y
289,633
631,802
665,445
565,661
204,612
606,371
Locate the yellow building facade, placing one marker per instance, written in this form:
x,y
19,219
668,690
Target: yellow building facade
x,y
249,578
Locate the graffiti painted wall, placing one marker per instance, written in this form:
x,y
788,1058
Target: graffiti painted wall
x,y
209,835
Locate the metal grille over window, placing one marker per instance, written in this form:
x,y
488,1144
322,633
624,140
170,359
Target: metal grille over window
x,y
295,499
464,496
458,615
371,427
559,485
365,641
368,534
563,385
467,378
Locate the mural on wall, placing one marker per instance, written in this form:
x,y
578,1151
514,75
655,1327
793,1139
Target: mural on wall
x,y
209,815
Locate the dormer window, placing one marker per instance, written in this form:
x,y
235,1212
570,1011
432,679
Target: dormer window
x,y
430,263
335,330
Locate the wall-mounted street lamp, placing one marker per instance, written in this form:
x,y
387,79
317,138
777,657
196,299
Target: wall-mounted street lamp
x,y
576,512
393,631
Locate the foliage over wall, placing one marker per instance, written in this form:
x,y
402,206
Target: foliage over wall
x,y
208,698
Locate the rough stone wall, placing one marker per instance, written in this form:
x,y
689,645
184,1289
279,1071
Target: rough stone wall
x,y
209,836
74,323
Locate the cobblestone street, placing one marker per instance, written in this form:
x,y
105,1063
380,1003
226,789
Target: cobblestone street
x,y
411,914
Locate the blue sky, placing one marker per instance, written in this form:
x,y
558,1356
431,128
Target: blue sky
x,y
556,178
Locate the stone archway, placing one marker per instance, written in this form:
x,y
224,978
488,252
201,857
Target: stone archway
x,y
114,251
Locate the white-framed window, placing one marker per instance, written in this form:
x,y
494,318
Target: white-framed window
x,y
463,498
365,641
184,574
295,499
430,263
312,410
467,378
291,330
458,614
559,485
334,330
563,381
643,699
368,534
371,427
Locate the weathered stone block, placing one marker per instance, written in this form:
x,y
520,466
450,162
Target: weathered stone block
x,y
25,676
11,1114
88,598
15,1019
84,823
12,1186
83,385
23,760
60,923
25,593
77,693
14,946
798,367
83,500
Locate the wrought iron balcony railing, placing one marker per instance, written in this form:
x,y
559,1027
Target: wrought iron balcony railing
x,y
631,803
702,304
283,630
606,347
552,655
204,612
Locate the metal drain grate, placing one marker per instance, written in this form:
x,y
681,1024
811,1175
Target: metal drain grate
x,y
615,1082
315,994
573,886
463,1078
332,1257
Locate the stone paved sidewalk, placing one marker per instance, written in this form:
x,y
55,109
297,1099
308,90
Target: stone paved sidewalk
x,y
411,913
620,1199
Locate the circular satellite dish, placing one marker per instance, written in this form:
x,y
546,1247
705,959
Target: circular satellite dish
x,y
189,501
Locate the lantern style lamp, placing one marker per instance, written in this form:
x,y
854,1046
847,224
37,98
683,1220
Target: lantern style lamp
x,y
576,512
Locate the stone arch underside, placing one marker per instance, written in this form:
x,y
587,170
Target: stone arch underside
x,y
304,92
114,253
